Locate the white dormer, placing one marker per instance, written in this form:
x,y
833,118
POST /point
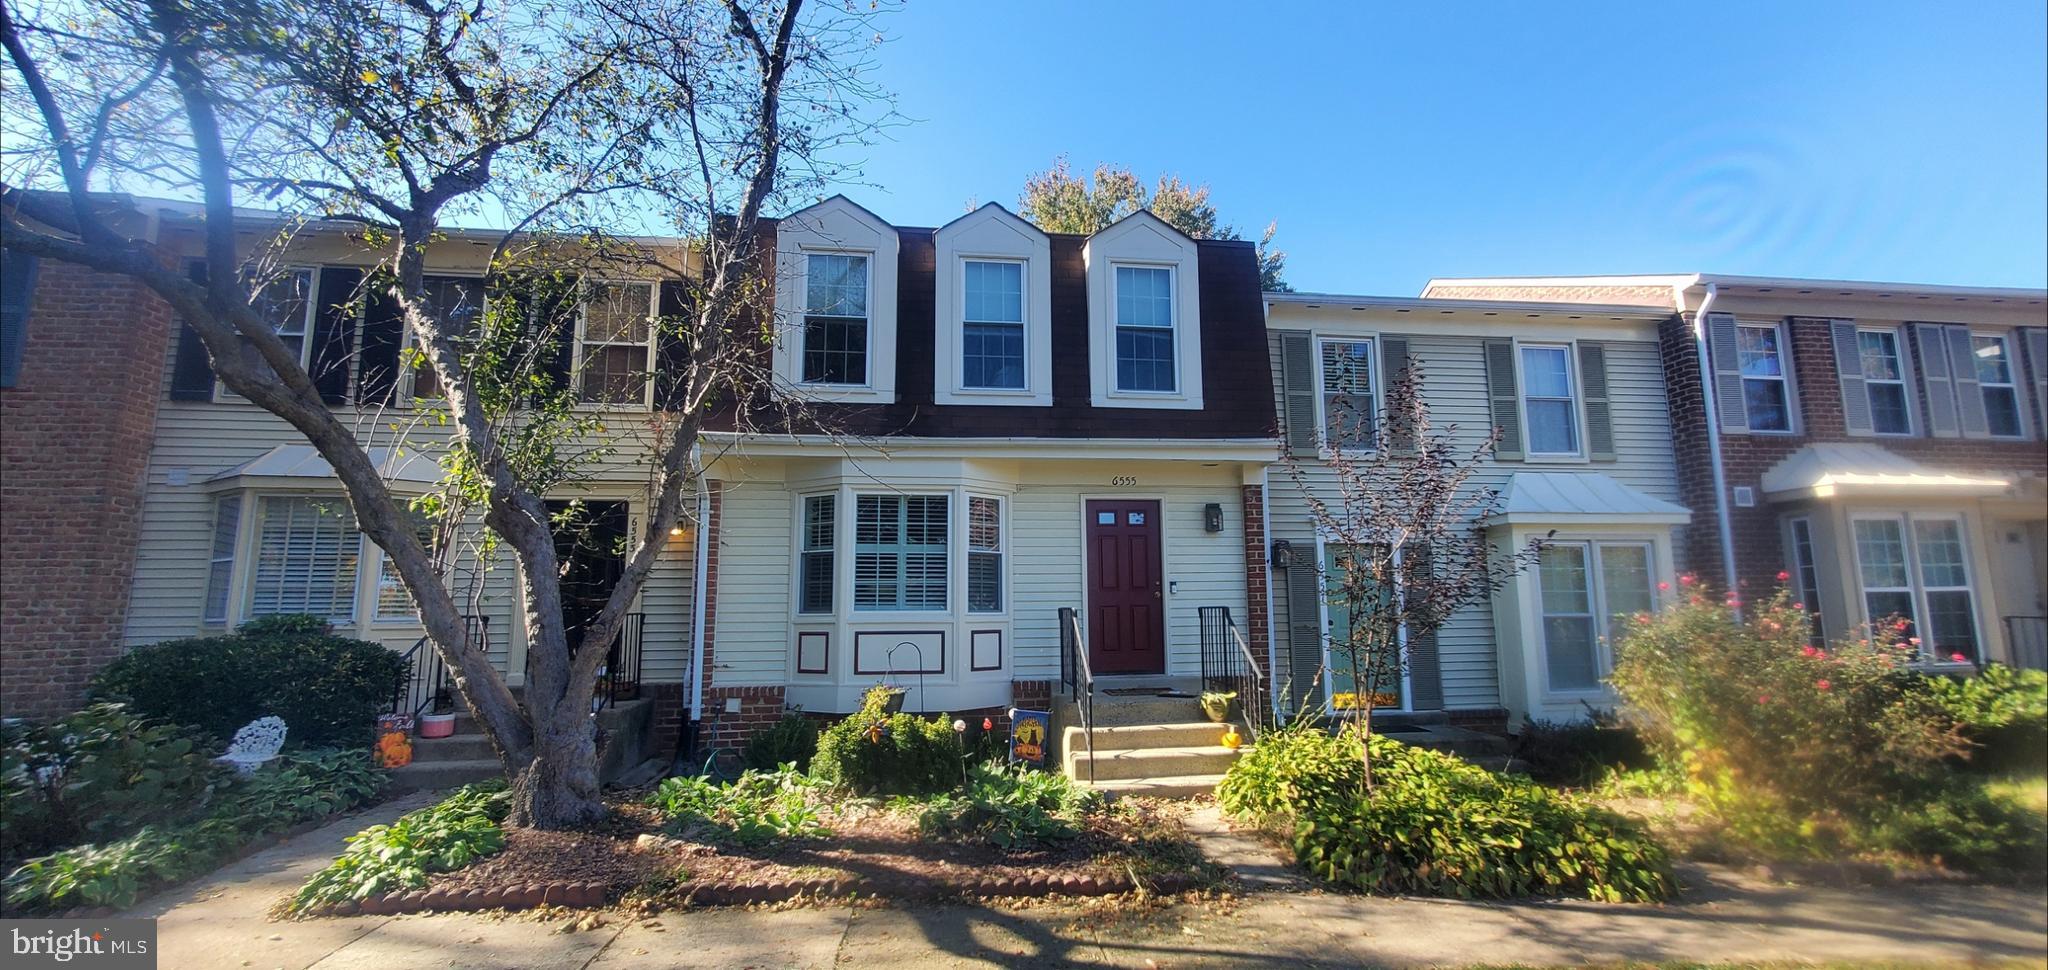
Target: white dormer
x,y
992,302
835,304
1144,316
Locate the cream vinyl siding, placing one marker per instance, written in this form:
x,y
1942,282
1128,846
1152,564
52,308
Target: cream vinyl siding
x,y
752,639
1455,389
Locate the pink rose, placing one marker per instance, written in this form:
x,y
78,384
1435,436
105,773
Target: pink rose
x,y
1822,683
1783,575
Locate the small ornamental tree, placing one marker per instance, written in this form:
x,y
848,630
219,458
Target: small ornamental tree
x,y
1394,495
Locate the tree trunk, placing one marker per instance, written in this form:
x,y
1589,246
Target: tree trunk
x,y
559,789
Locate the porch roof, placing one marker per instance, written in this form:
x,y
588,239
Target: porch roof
x,y
1840,469
299,466
1581,498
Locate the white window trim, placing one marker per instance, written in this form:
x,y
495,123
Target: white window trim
x,y
1596,595
1915,588
1904,380
2012,373
1785,377
221,393
1803,563
411,342
576,349
233,558
844,513
1375,366
1001,552
1578,403
803,500
991,234
835,226
248,545
1143,239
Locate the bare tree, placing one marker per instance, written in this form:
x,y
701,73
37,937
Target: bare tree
x,y
554,120
1394,496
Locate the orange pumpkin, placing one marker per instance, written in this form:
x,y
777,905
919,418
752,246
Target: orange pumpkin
x,y
1231,739
394,750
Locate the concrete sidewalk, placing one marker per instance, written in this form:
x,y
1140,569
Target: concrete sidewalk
x,y
1725,916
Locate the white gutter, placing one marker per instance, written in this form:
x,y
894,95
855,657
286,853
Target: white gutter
x,y
1699,339
697,592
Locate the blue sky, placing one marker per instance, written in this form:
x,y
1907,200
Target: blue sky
x,y
1880,140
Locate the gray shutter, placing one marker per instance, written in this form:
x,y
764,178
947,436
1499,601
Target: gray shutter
x,y
1932,350
191,369
17,295
1394,362
1962,361
1729,403
1599,413
1425,672
1505,396
1849,373
2035,339
1298,392
1304,628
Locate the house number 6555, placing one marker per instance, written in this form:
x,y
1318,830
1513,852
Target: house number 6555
x,y
1123,481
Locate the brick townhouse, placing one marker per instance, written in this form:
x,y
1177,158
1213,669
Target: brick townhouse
x,y
1882,444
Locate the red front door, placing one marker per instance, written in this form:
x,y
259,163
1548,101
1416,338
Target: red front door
x,y
1126,593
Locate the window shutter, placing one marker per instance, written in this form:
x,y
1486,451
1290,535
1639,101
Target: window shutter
x,y
2035,339
1849,373
191,371
1962,362
552,329
671,355
1395,362
1599,413
17,296
1935,372
1304,628
334,331
1505,397
1425,671
1298,392
383,336
1730,404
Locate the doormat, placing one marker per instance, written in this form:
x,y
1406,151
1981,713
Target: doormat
x,y
1145,692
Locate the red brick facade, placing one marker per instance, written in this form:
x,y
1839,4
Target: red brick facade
x,y
75,433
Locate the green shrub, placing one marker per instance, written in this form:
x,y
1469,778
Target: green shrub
x,y
2003,712
792,740
1009,806
871,753
459,830
1436,825
297,788
1988,827
96,775
328,689
758,807
1579,754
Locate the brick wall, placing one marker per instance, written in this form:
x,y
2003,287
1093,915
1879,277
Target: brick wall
x,y
75,449
1255,574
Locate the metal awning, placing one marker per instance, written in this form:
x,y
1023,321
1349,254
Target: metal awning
x,y
1581,498
1844,469
299,466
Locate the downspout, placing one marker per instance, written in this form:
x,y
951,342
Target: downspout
x,y
1727,526
698,590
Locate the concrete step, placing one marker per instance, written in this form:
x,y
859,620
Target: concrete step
x,y
1183,786
1182,734
1130,763
1116,711
436,775
460,747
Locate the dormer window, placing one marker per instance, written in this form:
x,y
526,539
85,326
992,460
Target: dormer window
x,y
835,319
992,311
835,304
992,330
1144,316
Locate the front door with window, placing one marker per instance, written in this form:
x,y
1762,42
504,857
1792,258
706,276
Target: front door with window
x,y
1126,588
590,540
1386,679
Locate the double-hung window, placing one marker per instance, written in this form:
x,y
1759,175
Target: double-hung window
x,y
1589,590
1807,574
984,554
285,302
457,303
1993,358
1348,411
835,337
992,325
615,344
1884,380
307,552
1145,358
220,571
1765,396
394,604
1916,569
815,580
1547,400
899,553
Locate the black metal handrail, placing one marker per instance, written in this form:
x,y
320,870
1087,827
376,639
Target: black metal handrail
x,y
1077,679
620,680
1228,665
2026,641
427,683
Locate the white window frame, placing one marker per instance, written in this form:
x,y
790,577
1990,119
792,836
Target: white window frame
x,y
1001,552
1806,573
1143,240
1022,323
310,322
1597,600
1577,401
1784,378
583,343
953,528
2012,383
1117,326
250,546
1374,390
1904,381
215,559
831,551
835,226
1932,654
991,234
385,571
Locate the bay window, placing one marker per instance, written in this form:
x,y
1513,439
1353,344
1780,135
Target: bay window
x,y
815,570
900,552
1806,573
306,558
615,344
992,325
835,324
1588,592
984,554
220,571
1914,570
1145,359
1547,400
1884,380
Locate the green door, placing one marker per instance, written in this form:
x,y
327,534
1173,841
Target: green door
x,y
1389,684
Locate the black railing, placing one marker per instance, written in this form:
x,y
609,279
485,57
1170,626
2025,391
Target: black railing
x,y
1229,666
621,678
1077,679
428,687
2026,641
